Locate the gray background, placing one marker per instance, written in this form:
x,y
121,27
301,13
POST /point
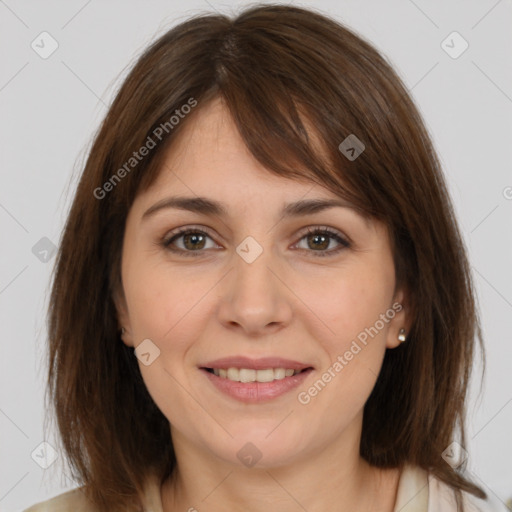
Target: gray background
x,y
51,107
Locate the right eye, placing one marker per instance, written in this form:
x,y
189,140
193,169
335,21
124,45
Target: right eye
x,y
193,241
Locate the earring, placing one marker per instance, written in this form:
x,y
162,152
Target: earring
x,y
123,330
401,335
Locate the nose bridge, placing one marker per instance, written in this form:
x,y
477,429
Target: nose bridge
x,y
253,264
255,297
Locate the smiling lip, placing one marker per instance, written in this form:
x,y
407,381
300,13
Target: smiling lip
x,y
256,392
255,364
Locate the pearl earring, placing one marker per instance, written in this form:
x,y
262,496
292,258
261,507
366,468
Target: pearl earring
x,y
401,335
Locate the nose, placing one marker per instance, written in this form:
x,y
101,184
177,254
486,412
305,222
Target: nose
x,y
255,298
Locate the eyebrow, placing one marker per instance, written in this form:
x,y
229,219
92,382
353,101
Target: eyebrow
x,y
207,206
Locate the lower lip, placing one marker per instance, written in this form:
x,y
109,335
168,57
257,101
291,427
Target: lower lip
x,y
255,392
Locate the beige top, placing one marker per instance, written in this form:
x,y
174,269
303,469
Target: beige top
x,y
417,492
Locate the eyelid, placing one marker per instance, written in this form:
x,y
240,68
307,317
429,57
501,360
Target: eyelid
x,y
181,231
316,228
343,240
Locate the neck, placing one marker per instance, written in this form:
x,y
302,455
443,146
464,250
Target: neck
x,y
335,477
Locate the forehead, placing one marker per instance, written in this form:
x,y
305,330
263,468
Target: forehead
x,y
210,158
208,169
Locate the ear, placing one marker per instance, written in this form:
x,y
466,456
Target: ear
x,y
402,318
123,317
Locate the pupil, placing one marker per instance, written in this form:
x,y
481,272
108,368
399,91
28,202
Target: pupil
x,y
195,238
317,237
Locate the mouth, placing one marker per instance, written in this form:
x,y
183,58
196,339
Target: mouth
x,y
251,375
254,381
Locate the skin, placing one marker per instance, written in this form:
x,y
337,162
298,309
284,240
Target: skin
x,y
288,303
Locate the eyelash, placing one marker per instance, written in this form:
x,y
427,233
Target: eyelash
x,y
344,244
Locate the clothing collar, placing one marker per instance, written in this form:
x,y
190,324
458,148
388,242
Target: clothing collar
x,y
412,492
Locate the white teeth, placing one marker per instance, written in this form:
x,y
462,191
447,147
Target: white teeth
x,y
280,373
244,375
250,375
233,374
261,375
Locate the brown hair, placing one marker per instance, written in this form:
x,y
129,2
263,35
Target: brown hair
x,y
275,67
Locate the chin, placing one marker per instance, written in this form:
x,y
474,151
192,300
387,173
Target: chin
x,y
258,449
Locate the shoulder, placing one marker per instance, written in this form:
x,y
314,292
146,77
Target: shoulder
x,y
442,497
70,501
420,491
77,501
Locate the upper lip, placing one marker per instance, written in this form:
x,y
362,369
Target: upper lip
x,y
255,364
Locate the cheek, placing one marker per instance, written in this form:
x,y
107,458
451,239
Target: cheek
x,y
352,300
353,334
166,307
161,297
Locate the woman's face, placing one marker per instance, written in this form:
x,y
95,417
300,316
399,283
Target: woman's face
x,y
256,285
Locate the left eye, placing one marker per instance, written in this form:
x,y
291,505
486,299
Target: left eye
x,y
321,238
194,240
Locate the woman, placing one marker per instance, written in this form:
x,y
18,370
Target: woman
x,y
261,289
